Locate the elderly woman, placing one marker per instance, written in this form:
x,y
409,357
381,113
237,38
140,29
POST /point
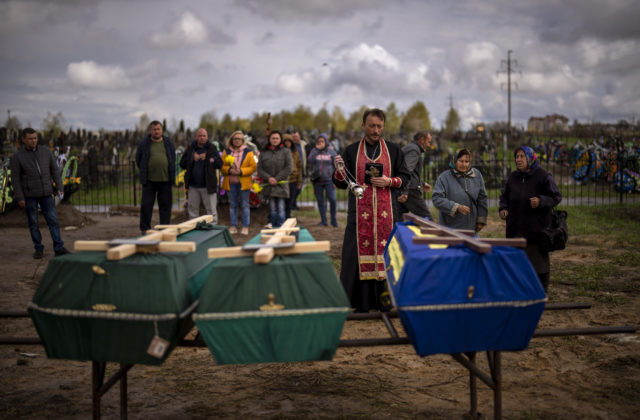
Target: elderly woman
x,y
237,167
460,195
274,167
526,203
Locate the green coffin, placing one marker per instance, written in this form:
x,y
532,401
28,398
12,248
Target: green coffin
x,y
307,328
145,295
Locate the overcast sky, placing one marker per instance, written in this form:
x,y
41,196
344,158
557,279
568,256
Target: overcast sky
x,y
104,63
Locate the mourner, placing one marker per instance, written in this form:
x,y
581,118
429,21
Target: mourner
x,y
527,199
460,195
410,197
156,160
35,178
201,161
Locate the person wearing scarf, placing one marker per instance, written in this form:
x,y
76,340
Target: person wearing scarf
x,y
460,195
238,165
526,202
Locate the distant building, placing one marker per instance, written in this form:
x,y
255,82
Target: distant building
x,y
554,122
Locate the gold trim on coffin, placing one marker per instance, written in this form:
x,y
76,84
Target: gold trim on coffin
x,y
125,316
218,316
449,306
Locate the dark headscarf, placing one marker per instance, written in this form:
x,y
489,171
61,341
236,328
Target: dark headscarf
x,y
459,153
532,159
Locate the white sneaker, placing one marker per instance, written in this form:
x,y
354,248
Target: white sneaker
x,y
244,231
268,226
233,230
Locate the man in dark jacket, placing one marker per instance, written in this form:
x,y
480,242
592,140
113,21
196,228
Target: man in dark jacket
x,y
156,159
410,196
201,160
33,174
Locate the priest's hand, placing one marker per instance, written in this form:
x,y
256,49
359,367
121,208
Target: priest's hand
x,y
381,181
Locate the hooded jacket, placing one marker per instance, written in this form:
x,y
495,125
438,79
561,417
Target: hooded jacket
x,y
320,163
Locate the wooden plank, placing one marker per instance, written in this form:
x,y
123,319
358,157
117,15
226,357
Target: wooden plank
x,y
280,229
472,243
298,248
515,242
91,246
437,240
121,251
187,225
264,255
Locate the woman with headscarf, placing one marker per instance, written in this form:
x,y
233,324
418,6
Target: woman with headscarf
x,y
526,202
460,195
238,164
321,168
274,168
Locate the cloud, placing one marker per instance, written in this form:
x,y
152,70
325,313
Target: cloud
x,y
308,10
188,30
92,75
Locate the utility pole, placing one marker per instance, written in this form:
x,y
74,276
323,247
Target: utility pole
x,y
509,63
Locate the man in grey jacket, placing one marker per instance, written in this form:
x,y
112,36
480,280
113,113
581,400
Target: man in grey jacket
x,y
410,197
33,174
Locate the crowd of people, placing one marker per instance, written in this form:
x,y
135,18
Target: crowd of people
x,y
388,178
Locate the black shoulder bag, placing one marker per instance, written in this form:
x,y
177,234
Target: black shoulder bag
x,y
555,236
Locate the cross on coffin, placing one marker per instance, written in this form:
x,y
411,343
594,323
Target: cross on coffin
x,y
276,242
161,239
448,236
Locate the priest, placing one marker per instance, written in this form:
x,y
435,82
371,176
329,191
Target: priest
x,y
378,166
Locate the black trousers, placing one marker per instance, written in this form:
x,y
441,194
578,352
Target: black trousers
x,y
414,204
151,190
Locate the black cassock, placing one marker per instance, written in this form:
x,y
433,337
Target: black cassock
x,y
364,295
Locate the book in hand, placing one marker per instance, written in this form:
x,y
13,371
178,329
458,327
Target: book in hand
x,y
371,170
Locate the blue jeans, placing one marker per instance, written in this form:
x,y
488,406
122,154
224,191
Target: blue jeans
x,y
48,208
276,211
320,189
238,196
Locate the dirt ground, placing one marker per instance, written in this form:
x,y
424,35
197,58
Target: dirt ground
x,y
572,377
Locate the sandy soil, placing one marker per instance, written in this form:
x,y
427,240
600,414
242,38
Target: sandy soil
x,y
571,377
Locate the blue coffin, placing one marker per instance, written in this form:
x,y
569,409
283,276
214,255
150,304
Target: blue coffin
x,y
452,299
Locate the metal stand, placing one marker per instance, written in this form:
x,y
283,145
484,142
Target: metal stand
x,y
493,379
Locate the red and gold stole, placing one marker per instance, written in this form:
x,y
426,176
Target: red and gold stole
x,y
374,216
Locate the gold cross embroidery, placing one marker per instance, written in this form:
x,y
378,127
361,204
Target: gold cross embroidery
x,y
372,172
365,215
365,243
384,214
383,242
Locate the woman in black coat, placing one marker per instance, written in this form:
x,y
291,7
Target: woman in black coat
x,y
526,202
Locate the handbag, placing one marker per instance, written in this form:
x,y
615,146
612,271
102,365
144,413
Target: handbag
x,y
555,236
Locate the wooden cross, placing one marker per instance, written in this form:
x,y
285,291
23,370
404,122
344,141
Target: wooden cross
x,y
161,239
447,236
279,243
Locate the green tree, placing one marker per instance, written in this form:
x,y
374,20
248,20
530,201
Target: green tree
x,y
338,120
452,122
243,124
209,121
393,119
227,125
354,123
416,118
322,120
259,123
53,123
302,118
